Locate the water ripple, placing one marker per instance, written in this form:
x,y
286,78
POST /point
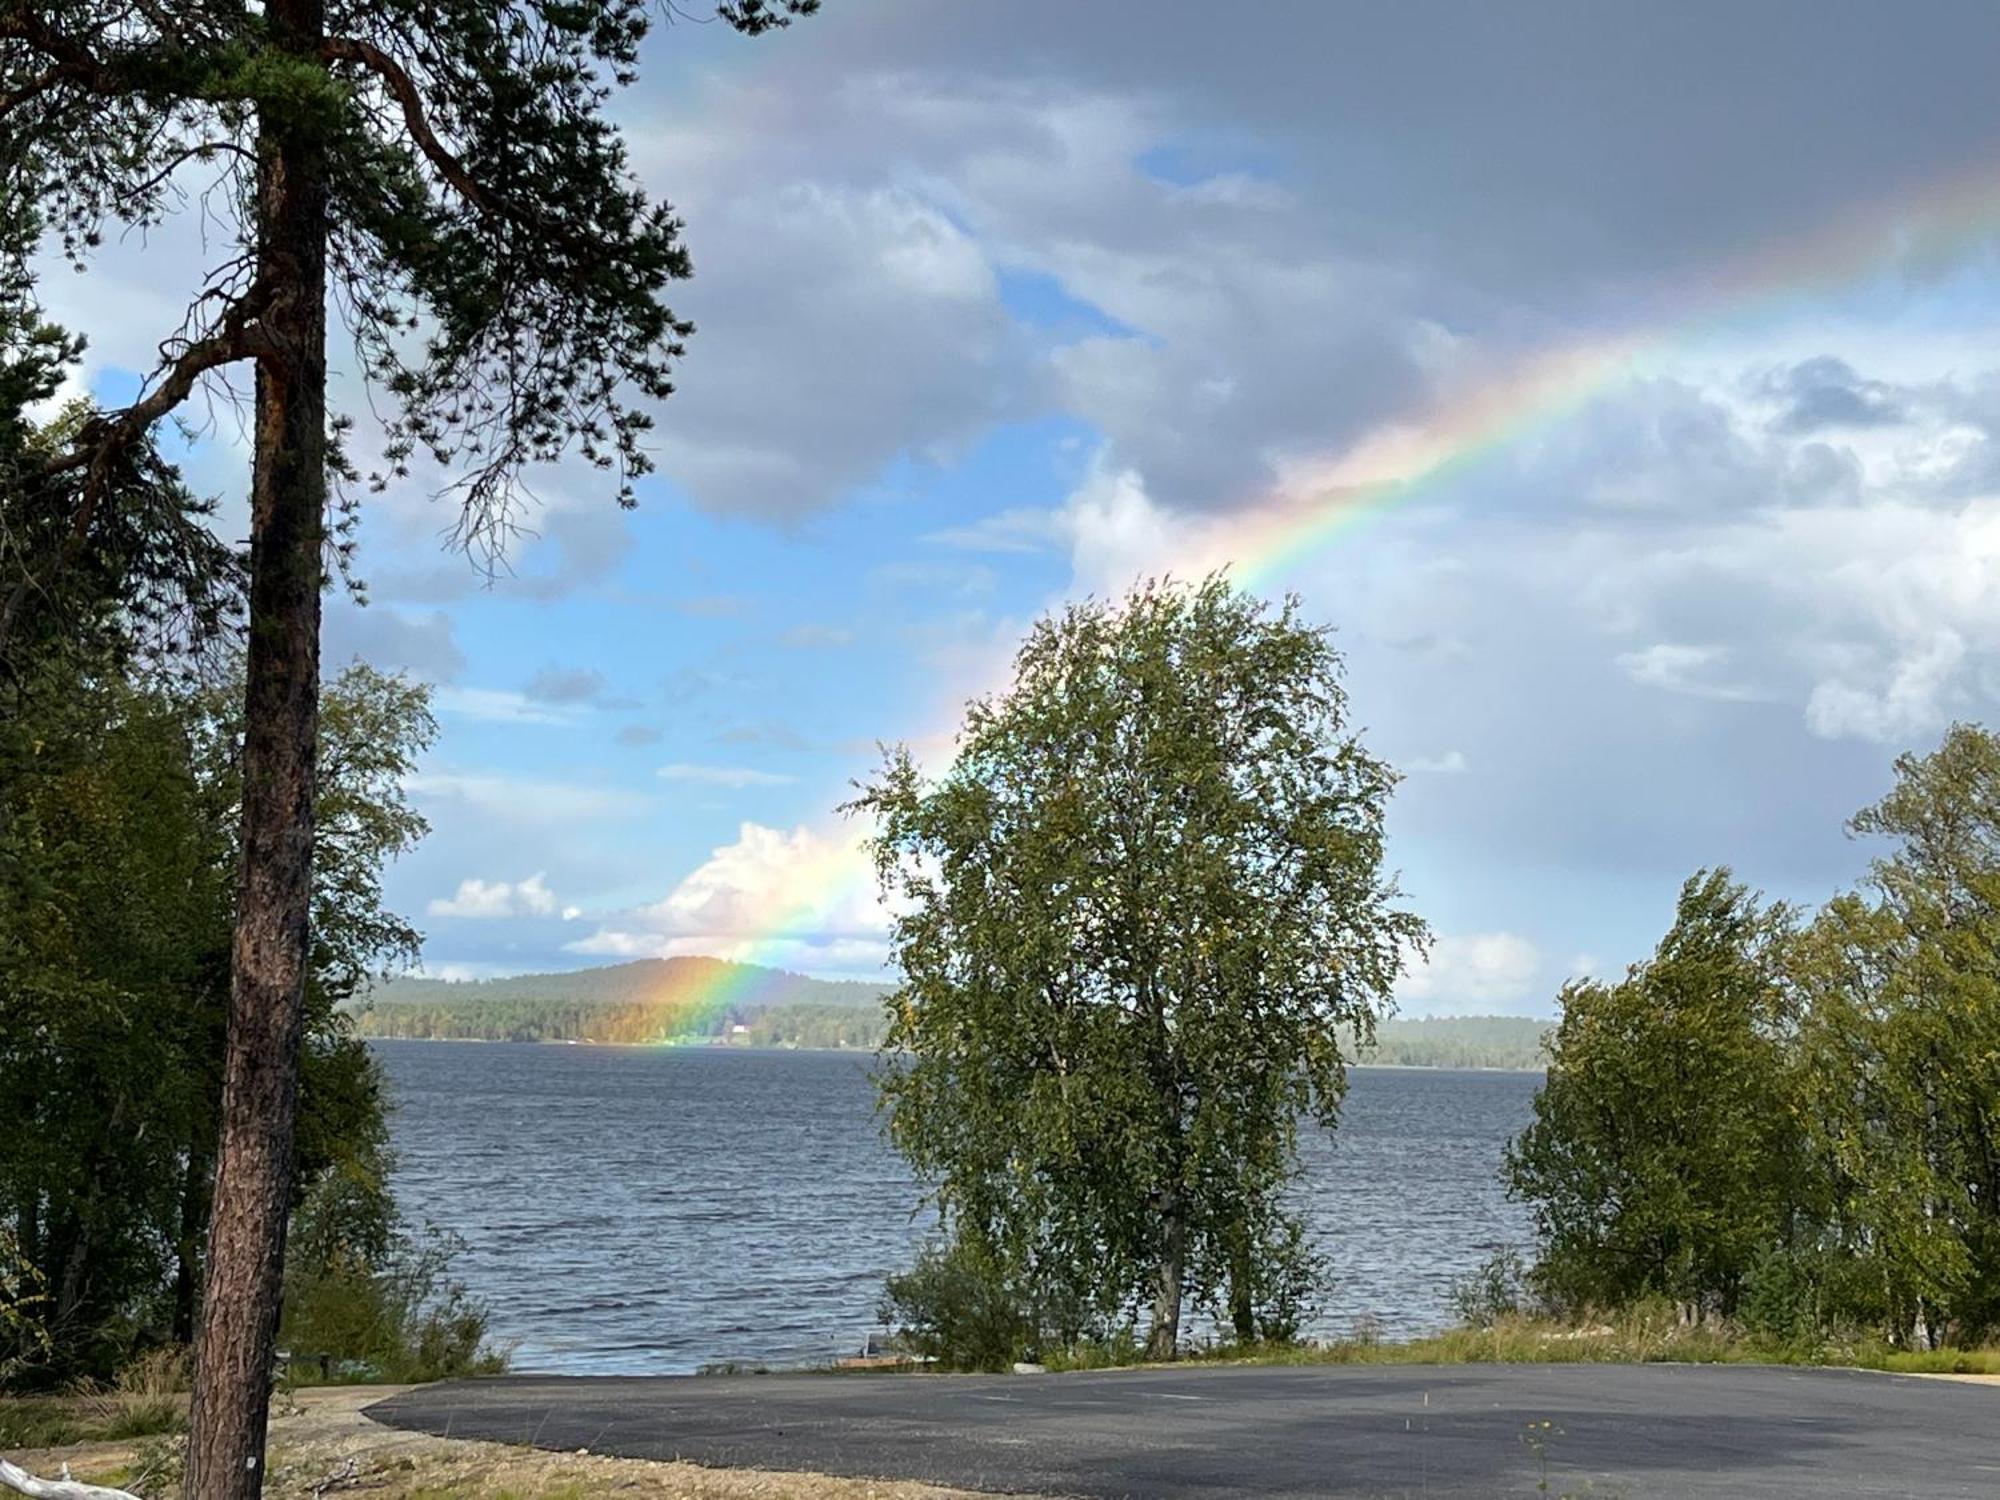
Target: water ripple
x,y
632,1211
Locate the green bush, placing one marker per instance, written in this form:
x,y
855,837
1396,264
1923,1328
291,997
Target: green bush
x,y
399,1317
959,1307
1497,1290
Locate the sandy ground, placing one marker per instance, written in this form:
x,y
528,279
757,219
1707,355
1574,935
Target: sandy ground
x,y
321,1446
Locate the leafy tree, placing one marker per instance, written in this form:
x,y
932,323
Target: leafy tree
x,y
1662,1156
116,862
1137,912
443,173
1902,1043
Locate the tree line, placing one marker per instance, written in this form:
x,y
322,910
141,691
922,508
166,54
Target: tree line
x,y
1512,1043
818,1026
1791,1118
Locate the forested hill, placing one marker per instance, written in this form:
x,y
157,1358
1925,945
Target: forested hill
x,y
649,1000
642,981
676,999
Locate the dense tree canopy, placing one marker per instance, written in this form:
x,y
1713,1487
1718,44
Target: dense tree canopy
x,y
1658,1159
116,876
1137,915
1798,1122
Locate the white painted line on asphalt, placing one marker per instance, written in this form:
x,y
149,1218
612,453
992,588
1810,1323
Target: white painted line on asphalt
x,y
1175,1396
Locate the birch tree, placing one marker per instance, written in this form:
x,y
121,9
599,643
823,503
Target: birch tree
x,y
1138,913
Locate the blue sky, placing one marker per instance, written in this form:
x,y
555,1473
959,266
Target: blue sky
x,y
999,305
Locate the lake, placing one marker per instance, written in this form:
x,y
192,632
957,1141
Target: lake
x,y
649,1210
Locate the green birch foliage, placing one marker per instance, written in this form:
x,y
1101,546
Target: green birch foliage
x,y
1136,916
1661,1159
1901,986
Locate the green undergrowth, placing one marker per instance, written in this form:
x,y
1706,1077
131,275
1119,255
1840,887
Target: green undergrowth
x,y
1649,1335
57,1421
1631,1339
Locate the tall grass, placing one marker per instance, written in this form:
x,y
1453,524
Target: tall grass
x,y
1643,1335
149,1397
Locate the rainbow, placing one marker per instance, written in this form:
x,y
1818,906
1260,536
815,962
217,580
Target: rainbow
x,y
824,879
1954,217
690,999
1271,537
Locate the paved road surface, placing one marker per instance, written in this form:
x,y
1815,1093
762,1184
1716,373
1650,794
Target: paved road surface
x,y
1628,1431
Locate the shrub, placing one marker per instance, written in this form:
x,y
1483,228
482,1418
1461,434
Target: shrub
x,y
400,1317
959,1306
1783,1299
24,1335
1498,1289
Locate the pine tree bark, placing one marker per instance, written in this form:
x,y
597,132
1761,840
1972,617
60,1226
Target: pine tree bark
x,y
246,1237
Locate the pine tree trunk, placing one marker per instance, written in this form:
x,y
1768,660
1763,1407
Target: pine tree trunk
x,y
246,1237
1165,1336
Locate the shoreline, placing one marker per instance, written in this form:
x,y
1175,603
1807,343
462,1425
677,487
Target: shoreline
x,y
721,1046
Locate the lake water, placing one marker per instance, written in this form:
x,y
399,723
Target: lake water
x,y
647,1211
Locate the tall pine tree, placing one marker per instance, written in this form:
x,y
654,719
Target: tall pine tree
x,y
442,173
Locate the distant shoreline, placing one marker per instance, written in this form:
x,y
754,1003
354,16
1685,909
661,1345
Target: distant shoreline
x,y
706,1046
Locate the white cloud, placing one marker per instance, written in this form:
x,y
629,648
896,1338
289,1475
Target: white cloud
x,y
1880,619
1471,971
497,797
794,898
1907,698
733,777
1680,668
487,900
497,706
1022,529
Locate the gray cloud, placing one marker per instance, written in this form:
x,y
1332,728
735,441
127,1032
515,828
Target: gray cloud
x,y
1264,237
422,643
1827,392
567,685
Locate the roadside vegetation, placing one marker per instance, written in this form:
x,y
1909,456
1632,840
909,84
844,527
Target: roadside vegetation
x,y
120,782
1786,1120
1145,930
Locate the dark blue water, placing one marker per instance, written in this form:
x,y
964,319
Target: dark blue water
x,y
641,1211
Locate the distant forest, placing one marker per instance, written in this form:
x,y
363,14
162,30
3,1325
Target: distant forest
x,y
570,1021
671,1000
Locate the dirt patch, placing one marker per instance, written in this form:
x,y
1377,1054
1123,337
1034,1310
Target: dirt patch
x,y
321,1446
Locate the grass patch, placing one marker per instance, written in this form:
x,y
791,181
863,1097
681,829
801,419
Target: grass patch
x,y
1939,1361
98,1417
1639,1338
